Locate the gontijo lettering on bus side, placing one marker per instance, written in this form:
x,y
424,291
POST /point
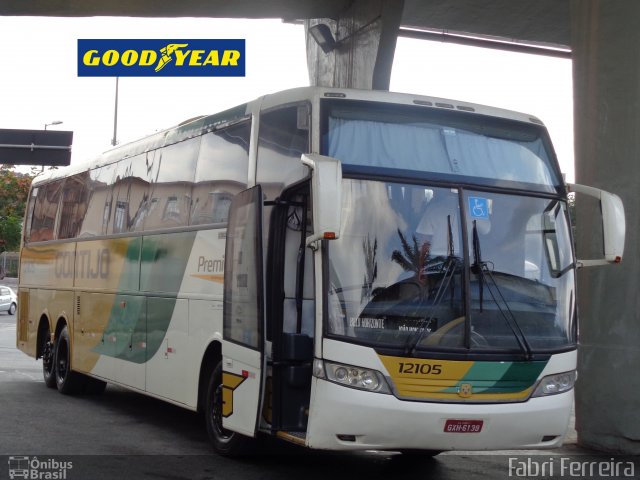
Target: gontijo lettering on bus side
x,y
161,58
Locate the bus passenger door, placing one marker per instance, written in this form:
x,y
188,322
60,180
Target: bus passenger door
x,y
290,312
243,314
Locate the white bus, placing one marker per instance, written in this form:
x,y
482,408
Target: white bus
x,y
342,269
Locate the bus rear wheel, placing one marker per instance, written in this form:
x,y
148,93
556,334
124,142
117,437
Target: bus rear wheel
x,y
67,381
225,442
48,353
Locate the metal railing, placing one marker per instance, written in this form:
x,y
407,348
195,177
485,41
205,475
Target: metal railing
x,y
9,264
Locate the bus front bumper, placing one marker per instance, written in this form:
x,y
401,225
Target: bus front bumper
x,y
343,418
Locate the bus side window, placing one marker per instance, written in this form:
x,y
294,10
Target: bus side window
x,y
283,138
100,192
75,199
172,175
29,217
222,171
131,191
46,212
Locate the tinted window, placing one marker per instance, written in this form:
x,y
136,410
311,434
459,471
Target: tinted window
x,y
221,173
172,172
75,200
448,143
131,192
29,218
100,192
45,212
243,300
283,138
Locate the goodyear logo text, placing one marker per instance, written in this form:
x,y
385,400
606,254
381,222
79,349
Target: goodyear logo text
x,y
161,58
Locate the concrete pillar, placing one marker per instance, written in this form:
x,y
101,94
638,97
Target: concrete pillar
x,y
606,71
365,56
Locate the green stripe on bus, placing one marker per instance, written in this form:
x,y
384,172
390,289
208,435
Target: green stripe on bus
x,y
500,377
138,324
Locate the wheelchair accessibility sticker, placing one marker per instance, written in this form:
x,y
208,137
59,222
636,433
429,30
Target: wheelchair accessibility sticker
x,y
479,207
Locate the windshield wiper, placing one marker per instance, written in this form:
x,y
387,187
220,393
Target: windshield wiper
x,y
450,266
480,268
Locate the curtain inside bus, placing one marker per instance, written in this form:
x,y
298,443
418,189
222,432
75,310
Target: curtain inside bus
x,y
435,148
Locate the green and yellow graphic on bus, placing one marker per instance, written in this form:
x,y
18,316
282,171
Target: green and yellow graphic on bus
x,y
473,381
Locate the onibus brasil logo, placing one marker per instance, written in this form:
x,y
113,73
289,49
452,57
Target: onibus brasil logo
x,y
161,58
38,469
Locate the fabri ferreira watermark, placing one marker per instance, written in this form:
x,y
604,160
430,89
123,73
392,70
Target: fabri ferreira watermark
x,y
532,467
34,468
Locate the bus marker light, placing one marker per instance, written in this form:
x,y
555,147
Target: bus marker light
x,y
329,235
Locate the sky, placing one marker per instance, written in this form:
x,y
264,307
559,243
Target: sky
x,y
39,82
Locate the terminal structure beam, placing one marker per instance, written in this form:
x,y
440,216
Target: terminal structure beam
x,y
361,56
606,75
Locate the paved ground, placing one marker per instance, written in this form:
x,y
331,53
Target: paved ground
x,y
125,435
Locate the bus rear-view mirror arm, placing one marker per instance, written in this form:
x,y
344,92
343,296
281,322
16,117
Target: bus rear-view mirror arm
x,y
326,192
613,224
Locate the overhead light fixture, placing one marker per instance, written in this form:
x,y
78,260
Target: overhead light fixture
x,y
321,33
55,122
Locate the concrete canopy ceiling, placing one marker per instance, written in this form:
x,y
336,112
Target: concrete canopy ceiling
x,y
522,21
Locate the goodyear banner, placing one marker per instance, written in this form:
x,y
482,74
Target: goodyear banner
x,y
161,58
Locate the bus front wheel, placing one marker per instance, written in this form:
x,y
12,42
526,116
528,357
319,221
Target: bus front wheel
x,y
224,441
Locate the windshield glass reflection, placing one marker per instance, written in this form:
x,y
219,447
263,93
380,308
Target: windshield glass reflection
x,y
397,273
396,269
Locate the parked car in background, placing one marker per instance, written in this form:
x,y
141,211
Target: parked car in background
x,y
8,300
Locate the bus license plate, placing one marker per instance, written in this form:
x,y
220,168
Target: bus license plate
x,y
463,426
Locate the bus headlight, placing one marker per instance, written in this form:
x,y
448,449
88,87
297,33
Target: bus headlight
x,y
558,383
350,376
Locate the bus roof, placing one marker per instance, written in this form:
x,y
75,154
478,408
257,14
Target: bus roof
x,y
207,123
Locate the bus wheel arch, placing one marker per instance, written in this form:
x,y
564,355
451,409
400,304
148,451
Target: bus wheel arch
x,y
212,356
44,329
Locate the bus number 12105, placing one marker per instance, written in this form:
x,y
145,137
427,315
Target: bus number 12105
x,y
420,368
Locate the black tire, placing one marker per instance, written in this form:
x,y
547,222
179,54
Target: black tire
x,y
225,442
48,356
12,309
67,381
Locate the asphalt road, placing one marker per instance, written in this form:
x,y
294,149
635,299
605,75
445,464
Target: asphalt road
x,y
123,435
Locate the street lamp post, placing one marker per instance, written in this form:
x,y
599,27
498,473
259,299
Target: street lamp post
x,y
114,140
55,122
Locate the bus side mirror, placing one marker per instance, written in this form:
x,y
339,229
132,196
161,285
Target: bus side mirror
x,y
613,224
326,192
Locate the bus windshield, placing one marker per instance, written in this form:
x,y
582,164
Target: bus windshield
x,y
447,143
403,275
